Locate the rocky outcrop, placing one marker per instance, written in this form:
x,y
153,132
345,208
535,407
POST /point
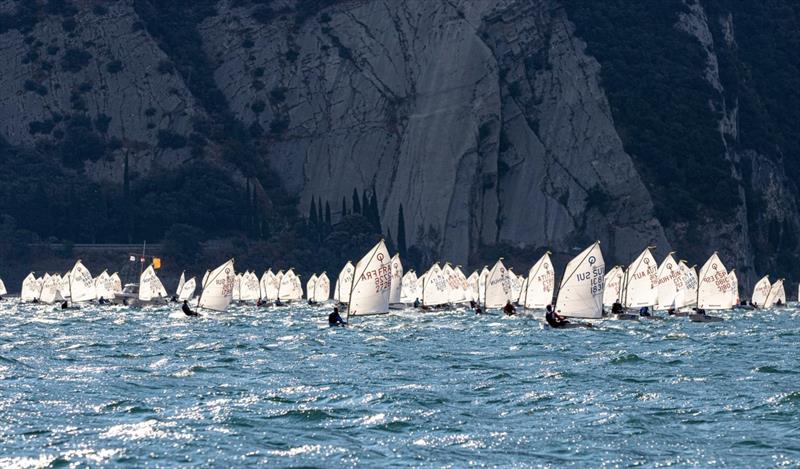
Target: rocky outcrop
x,y
485,120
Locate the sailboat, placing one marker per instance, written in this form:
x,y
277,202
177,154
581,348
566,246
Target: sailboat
x,y
320,291
760,292
217,292
497,289
581,292
29,291
151,290
776,295
396,288
81,284
3,290
435,291
289,289
344,283
670,282
372,278
640,284
186,291
408,290
455,294
538,289
49,293
713,290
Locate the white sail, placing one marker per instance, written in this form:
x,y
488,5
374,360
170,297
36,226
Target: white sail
x,y
687,295
29,291
473,287
454,292
497,291
322,291
612,286
218,291
408,293
181,282
714,289
289,288
761,291
81,283
397,280
515,284
463,287
776,295
116,283
581,291
205,277
103,286
733,298
50,293
269,286
540,285
187,289
369,293
310,286
63,286
249,288
344,283
670,282
3,290
236,295
640,282
482,284
150,286
435,290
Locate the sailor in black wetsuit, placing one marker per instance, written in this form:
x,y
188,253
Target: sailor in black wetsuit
x,y
616,308
644,311
64,305
102,301
554,319
187,310
509,309
417,304
335,319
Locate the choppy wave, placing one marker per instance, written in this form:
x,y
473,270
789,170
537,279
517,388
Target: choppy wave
x,y
276,386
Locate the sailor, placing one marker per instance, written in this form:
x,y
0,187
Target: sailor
x,y
644,311
174,299
616,308
35,300
64,305
554,319
187,310
417,303
261,302
335,319
478,310
509,309
102,301
472,304
779,303
700,311
671,311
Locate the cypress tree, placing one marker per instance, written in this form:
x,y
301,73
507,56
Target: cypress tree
x,y
328,213
344,207
313,216
364,204
374,214
320,218
401,233
356,202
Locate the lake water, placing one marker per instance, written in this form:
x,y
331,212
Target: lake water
x,y
148,387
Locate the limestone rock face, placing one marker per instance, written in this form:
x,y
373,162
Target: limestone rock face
x,y
485,120
100,65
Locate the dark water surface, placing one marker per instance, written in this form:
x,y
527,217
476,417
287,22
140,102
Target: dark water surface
x,y
148,387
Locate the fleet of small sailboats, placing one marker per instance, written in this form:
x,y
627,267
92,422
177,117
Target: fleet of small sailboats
x,y
378,283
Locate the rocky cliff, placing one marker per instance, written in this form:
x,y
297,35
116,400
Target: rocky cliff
x,y
491,122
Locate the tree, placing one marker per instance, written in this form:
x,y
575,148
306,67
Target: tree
x,y
373,213
320,218
344,207
356,202
401,233
364,204
313,217
182,243
328,213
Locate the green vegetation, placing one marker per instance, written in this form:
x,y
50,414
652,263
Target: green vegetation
x,y
652,74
